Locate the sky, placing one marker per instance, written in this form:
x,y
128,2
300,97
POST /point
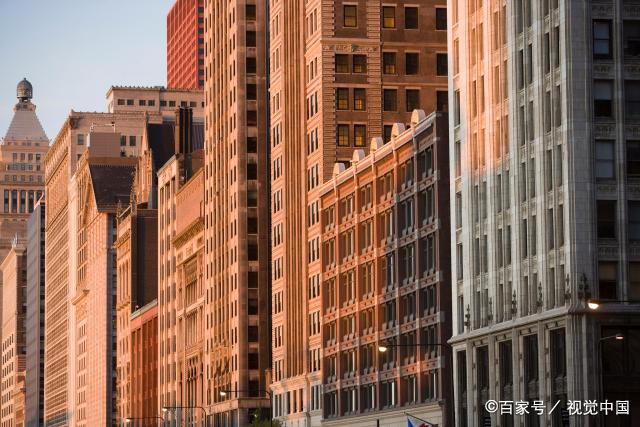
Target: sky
x,y
72,51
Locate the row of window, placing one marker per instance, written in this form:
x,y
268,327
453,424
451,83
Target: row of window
x,y
389,63
390,19
152,103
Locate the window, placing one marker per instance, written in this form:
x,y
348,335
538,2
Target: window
x,y
606,211
390,100
359,135
411,18
359,99
251,39
603,98
605,159
631,39
343,135
359,64
456,108
632,99
350,16
413,99
441,64
80,139
633,159
342,63
132,141
252,91
251,65
389,62
123,140
386,133
634,221
411,63
250,11
441,18
342,98
442,101
388,17
607,278
602,39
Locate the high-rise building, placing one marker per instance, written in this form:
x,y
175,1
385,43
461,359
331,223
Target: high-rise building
x,y
34,382
544,184
340,73
22,152
237,344
384,252
134,125
185,45
14,313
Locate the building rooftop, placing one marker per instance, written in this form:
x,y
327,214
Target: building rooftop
x,y
25,125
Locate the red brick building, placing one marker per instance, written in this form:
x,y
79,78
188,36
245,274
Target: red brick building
x,y
144,363
185,45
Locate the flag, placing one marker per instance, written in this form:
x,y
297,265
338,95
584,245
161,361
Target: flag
x,y
415,422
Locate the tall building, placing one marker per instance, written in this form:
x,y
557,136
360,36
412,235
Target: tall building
x,y
134,125
544,194
237,337
386,295
14,313
22,152
34,381
340,73
185,45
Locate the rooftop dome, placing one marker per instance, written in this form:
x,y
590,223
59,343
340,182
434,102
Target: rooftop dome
x,y
24,90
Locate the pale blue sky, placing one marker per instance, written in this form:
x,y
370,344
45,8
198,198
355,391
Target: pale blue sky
x,y
73,50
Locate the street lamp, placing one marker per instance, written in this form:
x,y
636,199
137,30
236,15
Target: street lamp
x,y
166,409
224,393
595,304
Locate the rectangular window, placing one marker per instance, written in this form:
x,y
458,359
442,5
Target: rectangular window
x,y
359,64
359,135
607,279
389,62
411,63
605,165
631,99
359,99
350,16
441,18
250,11
80,139
413,99
388,17
342,98
441,64
343,135
442,101
631,39
411,18
606,211
386,131
132,141
342,63
603,98
633,159
602,46
251,39
390,100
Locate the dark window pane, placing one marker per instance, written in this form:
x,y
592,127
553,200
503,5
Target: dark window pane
x,y
633,158
252,171
413,99
389,62
359,64
343,135
359,99
632,99
251,65
359,135
342,63
606,219
411,18
603,98
350,16
411,63
390,100
250,11
602,39
388,17
631,42
441,18
251,38
441,59
442,101
342,98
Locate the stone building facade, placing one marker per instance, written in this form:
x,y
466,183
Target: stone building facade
x,y
144,365
34,380
340,73
14,313
385,284
185,45
544,199
237,337
22,152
